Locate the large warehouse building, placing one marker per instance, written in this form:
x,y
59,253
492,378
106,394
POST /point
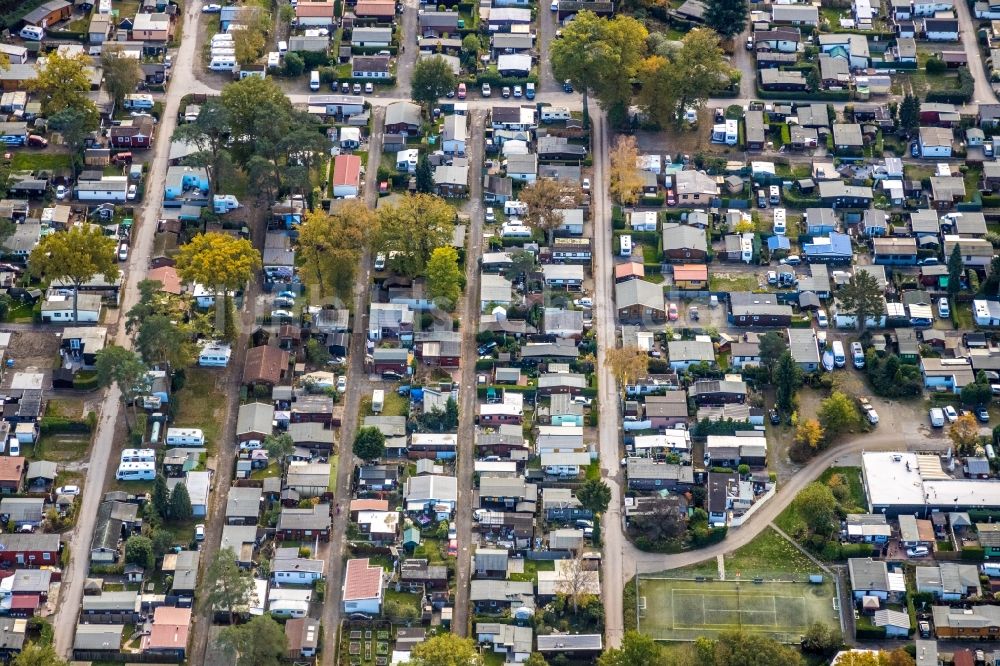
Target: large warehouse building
x,y
898,483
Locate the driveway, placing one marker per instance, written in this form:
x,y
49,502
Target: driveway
x,y
983,93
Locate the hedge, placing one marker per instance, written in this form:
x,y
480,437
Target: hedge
x,y
57,424
820,95
960,95
973,554
495,80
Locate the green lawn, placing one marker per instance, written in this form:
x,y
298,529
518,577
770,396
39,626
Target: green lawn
x,y
393,405
531,569
792,523
33,161
267,472
62,447
334,459
736,282
768,554
199,405
961,315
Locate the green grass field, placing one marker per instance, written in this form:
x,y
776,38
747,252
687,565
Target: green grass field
x,y
684,610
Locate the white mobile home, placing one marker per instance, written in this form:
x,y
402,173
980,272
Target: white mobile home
x,y
185,437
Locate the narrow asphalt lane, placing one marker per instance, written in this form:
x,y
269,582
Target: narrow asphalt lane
x,y
357,381
75,573
469,317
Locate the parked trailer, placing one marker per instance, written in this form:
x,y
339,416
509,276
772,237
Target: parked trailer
x,y
136,471
138,455
185,437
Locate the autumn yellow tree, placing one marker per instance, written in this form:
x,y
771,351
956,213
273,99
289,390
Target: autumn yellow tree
x,y
809,432
626,183
412,229
223,264
546,198
75,256
444,278
627,364
964,434
64,83
330,246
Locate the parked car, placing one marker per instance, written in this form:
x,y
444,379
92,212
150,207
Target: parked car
x,y
357,88
944,310
982,414
369,87
567,86
281,302
937,417
772,277
199,532
36,141
487,91
518,91
123,252
211,9
585,302
72,491
554,5
950,414
775,417
132,192
281,315
505,92
672,312
671,199
918,551
342,384
821,319
61,192
586,184
490,215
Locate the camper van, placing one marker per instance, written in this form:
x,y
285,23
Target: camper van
x,y
32,32
223,51
839,359
937,417
138,102
515,207
626,242
775,195
314,80
551,114
223,203
136,471
282,48
857,355
185,437
222,64
138,455
378,401
761,198
214,356
222,38
779,221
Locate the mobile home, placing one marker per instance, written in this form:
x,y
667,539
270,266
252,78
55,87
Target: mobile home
x,y
136,471
185,437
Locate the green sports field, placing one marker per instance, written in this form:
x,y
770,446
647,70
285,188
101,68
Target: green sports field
x,y
684,609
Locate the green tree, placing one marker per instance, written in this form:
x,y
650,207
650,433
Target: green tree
x,y
294,64
772,346
259,642
402,612
726,17
180,504
821,639
535,659
636,650
594,495
161,339
991,285
75,256
909,114
228,587
162,541
432,79
817,506
470,50
139,550
369,443
64,83
117,365
977,392
413,228
259,116
210,134
955,267
424,174
36,654
74,126
248,45
862,297
683,78
161,497
734,647
444,277
330,246
838,414
279,447
121,73
285,14
446,650
600,55
787,378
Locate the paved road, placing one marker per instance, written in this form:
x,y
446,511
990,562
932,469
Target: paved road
x,y
142,248
408,57
469,317
357,381
548,23
610,415
983,93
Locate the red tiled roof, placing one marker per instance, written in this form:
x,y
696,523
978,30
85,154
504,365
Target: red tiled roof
x,y
11,468
264,365
25,602
167,276
369,505
361,580
347,169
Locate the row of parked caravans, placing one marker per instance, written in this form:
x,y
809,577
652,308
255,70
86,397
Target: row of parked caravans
x,y
140,464
223,52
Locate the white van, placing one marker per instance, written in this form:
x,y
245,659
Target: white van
x,y
775,195
32,32
222,64
138,455
857,355
937,417
138,102
626,243
839,359
314,80
185,437
282,47
136,471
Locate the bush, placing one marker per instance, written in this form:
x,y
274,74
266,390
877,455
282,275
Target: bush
x,y
56,424
85,381
973,554
936,66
